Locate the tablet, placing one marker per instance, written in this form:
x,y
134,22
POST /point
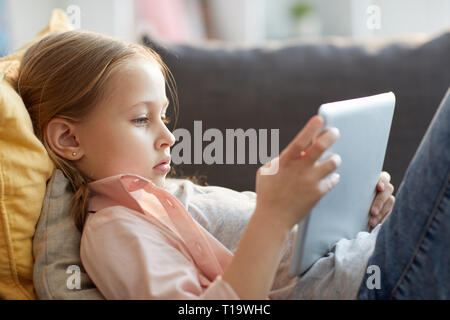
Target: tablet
x,y
364,126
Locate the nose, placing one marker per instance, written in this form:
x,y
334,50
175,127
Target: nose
x,y
166,139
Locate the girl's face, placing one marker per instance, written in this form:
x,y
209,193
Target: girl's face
x,y
126,132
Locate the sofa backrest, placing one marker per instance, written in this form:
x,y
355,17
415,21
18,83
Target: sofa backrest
x,y
281,85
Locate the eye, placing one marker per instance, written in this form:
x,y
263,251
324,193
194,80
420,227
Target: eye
x,y
141,120
145,120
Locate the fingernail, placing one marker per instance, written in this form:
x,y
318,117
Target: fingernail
x,y
382,186
375,210
337,159
335,177
335,131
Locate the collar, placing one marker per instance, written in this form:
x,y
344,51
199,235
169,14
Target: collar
x,y
163,209
115,190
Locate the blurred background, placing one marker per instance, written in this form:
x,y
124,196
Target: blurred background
x,y
249,22
263,64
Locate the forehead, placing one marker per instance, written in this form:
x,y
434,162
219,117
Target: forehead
x,y
137,80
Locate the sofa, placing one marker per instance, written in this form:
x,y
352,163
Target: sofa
x,y
281,84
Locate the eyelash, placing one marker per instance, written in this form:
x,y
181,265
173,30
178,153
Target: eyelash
x,y
166,120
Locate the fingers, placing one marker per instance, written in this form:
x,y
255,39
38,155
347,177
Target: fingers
x,y
324,140
384,180
328,165
303,139
381,198
321,144
387,208
384,201
324,169
325,185
384,213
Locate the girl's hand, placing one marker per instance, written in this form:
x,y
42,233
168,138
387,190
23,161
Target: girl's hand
x,y
286,197
287,188
384,201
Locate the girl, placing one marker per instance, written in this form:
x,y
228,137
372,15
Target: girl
x,y
99,107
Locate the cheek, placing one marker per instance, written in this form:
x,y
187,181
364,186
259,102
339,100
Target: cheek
x,y
122,146
101,144
117,147
100,139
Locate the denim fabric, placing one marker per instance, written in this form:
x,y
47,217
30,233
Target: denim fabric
x,y
412,247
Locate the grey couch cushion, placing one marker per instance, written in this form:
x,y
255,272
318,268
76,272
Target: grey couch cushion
x,y
281,85
56,247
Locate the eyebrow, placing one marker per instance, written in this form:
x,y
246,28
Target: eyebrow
x,y
166,104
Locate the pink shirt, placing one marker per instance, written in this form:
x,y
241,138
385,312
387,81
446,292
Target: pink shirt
x,y
141,243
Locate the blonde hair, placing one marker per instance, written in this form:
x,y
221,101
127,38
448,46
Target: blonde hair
x,y
65,75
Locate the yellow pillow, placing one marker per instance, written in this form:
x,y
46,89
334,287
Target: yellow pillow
x,y
25,168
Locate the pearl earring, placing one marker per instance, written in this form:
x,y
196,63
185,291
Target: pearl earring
x,y
74,154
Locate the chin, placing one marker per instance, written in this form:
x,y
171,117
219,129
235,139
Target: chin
x,y
160,181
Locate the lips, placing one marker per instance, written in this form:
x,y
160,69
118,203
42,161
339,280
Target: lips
x,y
166,160
164,165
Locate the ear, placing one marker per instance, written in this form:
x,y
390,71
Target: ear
x,y
61,137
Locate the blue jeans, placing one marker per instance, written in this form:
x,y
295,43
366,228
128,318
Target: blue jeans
x,y
413,246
